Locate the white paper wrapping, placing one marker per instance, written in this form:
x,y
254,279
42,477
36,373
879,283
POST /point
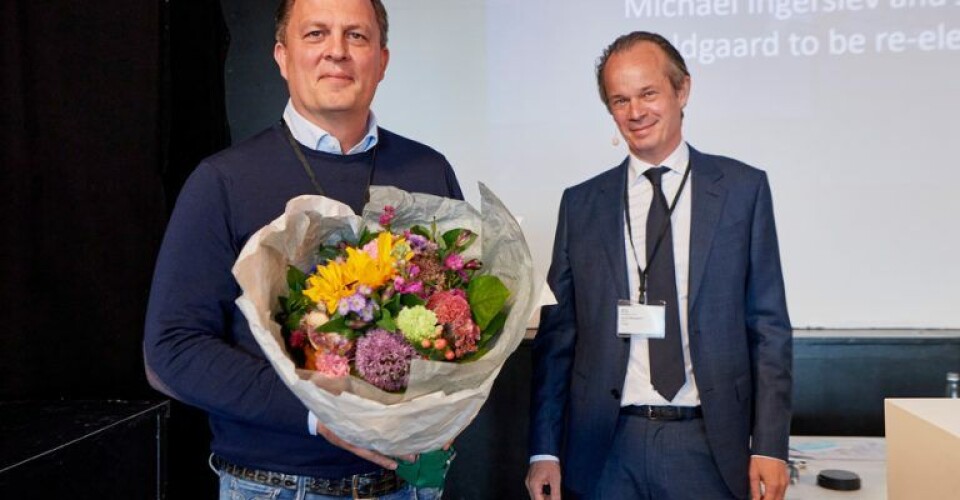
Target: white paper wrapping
x,y
441,398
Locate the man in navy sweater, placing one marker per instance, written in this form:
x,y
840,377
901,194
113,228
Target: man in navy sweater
x,y
198,347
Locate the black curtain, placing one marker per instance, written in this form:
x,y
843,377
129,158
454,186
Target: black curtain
x,y
107,106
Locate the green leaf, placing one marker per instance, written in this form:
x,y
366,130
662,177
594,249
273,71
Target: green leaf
x,y
292,321
450,238
296,279
493,328
337,324
366,236
411,300
386,321
327,253
487,296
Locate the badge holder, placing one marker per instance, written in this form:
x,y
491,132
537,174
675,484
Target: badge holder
x,y
641,320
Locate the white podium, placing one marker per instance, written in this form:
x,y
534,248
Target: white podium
x,y
923,448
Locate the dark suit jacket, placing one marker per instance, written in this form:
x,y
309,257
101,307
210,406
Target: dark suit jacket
x,y
740,335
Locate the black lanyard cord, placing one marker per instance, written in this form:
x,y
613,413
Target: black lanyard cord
x,y
663,229
306,166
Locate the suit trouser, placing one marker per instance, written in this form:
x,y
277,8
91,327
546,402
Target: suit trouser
x,y
660,460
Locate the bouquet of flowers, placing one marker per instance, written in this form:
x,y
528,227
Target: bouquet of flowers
x,y
374,304
386,325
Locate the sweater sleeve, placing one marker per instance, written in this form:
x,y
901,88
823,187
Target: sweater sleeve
x,y
190,349
453,186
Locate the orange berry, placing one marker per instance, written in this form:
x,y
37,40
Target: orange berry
x,y
440,344
448,355
425,343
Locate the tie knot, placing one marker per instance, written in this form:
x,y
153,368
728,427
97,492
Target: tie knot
x,y
655,174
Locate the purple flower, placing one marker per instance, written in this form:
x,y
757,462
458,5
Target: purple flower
x,y
419,244
413,270
416,241
383,359
453,262
353,304
366,313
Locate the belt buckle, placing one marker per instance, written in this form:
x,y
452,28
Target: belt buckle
x,y
650,412
355,489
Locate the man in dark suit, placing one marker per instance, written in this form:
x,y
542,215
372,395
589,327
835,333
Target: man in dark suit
x,y
664,369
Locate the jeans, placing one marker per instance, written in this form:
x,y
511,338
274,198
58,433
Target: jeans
x,y
235,488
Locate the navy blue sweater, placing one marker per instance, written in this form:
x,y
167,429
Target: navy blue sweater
x,y
199,344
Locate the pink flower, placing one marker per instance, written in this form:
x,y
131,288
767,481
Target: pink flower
x,y
333,365
387,216
371,249
465,335
453,312
404,286
454,262
449,306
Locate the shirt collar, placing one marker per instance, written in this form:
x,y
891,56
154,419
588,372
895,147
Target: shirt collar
x,y
676,161
316,138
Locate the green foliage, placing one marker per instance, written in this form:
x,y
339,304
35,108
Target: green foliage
x,y
296,279
327,253
366,236
338,324
487,296
386,320
411,300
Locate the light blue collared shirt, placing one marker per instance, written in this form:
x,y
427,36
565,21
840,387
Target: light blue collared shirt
x,y
316,138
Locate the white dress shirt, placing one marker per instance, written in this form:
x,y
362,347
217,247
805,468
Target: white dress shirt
x,y
637,388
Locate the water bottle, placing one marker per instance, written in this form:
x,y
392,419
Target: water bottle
x,y
953,385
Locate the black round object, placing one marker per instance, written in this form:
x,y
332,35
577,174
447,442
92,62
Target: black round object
x,y
840,480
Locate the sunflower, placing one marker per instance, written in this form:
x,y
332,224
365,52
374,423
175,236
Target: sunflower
x,y
329,284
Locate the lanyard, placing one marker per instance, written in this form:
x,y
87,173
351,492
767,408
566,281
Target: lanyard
x,y
306,166
663,230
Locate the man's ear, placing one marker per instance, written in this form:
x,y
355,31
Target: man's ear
x,y
684,92
385,59
280,56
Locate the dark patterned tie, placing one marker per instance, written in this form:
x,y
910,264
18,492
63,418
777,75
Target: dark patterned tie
x,y
666,355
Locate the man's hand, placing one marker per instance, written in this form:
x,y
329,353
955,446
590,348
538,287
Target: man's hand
x,y
768,479
370,455
543,473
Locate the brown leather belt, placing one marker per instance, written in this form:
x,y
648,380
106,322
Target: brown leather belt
x,y
372,484
663,412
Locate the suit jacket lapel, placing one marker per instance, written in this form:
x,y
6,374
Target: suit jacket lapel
x,y
709,195
609,220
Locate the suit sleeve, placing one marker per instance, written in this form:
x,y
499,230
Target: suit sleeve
x,y
553,350
770,333
189,349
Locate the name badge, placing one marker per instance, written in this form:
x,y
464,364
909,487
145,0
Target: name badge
x,y
644,320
